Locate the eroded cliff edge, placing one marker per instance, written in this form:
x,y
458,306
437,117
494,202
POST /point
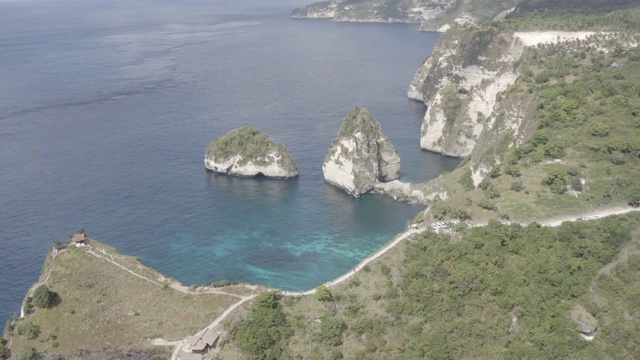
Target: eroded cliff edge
x,y
246,152
467,86
361,155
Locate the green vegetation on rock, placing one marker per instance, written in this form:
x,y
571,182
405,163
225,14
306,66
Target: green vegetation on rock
x,y
247,145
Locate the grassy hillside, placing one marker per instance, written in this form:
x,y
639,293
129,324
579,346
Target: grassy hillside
x,y
103,311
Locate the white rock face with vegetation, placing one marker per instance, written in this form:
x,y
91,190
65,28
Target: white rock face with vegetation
x,y
464,84
361,155
406,11
246,152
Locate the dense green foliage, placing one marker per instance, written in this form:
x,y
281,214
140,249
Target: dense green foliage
x,y
263,333
43,297
498,291
251,145
467,291
3,349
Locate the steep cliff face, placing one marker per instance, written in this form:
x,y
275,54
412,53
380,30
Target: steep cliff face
x,y
459,83
361,155
409,11
465,84
246,152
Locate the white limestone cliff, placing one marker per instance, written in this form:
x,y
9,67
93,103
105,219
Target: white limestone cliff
x,y
464,85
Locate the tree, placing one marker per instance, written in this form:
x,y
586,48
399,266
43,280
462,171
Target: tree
x,y
57,243
323,294
80,230
43,297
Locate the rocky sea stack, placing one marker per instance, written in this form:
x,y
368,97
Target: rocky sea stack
x,y
247,152
361,155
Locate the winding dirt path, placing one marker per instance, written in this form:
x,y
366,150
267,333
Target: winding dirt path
x,y
174,285
41,282
551,222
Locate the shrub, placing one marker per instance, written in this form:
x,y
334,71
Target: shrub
x,y
487,205
495,172
461,214
223,283
513,170
634,198
576,184
517,186
385,270
554,149
541,78
492,192
617,158
600,130
466,181
439,210
556,180
323,294
28,330
331,330
29,353
485,183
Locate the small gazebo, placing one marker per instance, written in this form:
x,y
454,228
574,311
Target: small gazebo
x,y
79,240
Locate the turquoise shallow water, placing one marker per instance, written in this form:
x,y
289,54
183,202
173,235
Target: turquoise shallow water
x,y
106,109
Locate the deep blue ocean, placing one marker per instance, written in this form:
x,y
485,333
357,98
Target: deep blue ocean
x,y
106,109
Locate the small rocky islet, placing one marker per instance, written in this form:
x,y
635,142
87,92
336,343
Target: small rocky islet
x,y
361,155
246,152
